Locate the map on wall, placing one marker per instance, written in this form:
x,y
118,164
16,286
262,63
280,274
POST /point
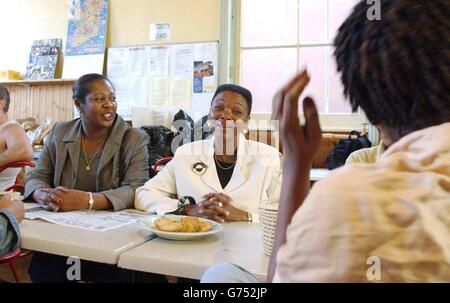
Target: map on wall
x,y
86,37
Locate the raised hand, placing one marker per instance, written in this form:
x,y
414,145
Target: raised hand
x,y
300,143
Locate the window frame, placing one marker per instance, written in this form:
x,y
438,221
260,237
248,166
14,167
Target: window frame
x,y
230,62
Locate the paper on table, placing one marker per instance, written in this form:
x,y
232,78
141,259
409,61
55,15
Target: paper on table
x,y
91,220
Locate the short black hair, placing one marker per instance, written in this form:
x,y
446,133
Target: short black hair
x,y
81,87
397,69
4,95
245,93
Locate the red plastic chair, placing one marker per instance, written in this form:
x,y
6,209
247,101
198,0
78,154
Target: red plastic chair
x,y
18,186
11,258
160,162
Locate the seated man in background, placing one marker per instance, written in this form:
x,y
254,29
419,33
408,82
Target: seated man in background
x,y
371,154
11,214
14,143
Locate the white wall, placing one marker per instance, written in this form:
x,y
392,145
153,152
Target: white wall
x,y
22,21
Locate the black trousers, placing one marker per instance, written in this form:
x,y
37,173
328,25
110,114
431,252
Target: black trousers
x,y
48,268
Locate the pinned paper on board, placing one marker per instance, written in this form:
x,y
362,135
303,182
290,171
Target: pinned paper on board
x,y
180,96
136,62
159,91
142,116
158,61
183,59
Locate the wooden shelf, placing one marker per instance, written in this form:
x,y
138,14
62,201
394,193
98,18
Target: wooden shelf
x,y
38,82
41,99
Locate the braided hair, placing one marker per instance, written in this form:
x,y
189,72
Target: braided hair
x,y
397,69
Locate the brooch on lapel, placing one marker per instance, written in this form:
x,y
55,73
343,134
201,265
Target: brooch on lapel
x,y
199,168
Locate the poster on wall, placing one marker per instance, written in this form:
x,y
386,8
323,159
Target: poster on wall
x,y
205,77
86,38
43,59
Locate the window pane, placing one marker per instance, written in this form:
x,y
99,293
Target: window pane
x,y
263,71
339,11
313,21
268,22
337,102
314,59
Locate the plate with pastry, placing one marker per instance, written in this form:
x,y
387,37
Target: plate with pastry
x,y
175,227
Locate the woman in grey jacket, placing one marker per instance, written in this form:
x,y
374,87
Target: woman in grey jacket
x,y
94,162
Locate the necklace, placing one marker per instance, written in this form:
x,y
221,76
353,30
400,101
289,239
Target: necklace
x,y
224,168
88,162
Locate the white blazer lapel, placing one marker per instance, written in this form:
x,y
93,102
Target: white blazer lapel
x,y
241,170
210,176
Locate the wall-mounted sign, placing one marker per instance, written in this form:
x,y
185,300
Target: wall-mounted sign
x,y
160,31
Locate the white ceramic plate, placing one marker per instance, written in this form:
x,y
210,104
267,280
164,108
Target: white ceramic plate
x,y
147,223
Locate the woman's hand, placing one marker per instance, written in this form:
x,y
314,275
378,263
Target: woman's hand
x,y
69,199
47,198
201,210
14,206
61,199
217,206
300,143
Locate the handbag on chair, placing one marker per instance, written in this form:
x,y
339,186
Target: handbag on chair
x,y
345,147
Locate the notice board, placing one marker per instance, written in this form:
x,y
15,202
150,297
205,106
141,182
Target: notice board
x,y
164,78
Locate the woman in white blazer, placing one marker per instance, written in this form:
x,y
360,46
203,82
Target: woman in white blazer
x,y
223,178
